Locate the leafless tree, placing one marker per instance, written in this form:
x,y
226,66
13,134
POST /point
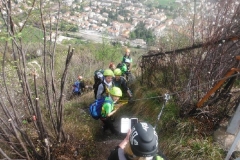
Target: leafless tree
x,y
32,100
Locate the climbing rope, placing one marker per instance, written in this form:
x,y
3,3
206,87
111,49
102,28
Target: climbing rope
x,y
166,98
187,88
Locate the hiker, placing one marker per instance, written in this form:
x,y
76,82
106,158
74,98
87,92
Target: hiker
x,y
98,79
103,87
123,67
108,109
112,66
141,143
127,59
120,81
78,86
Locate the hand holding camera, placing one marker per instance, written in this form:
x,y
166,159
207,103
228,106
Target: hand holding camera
x,y
127,124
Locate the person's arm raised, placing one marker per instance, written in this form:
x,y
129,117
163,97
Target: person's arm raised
x,y
125,141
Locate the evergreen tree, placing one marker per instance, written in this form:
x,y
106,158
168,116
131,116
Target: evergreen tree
x,y
141,32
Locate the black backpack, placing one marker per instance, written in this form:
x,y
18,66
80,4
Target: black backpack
x,y
98,79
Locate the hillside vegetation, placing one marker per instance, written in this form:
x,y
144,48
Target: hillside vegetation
x,y
84,138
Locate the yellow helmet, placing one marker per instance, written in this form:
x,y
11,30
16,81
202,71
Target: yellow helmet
x,y
108,72
117,72
115,91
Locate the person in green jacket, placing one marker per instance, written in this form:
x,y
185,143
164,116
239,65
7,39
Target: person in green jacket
x,y
123,68
108,109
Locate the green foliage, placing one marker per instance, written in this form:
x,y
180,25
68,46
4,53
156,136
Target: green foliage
x,y
184,147
106,52
169,7
72,42
174,39
237,83
142,33
114,15
165,2
28,35
65,26
111,14
123,12
171,112
31,35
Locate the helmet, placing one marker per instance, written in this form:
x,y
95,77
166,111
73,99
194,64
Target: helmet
x,y
127,60
143,140
127,50
108,72
80,77
115,91
117,72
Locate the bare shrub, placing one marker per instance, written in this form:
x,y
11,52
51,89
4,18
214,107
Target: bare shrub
x,y
207,55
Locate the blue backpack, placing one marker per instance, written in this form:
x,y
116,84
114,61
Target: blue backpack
x,y
76,86
95,108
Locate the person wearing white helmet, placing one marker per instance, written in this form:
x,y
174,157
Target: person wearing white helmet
x,y
127,58
141,143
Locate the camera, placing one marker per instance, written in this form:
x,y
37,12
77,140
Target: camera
x,y
127,123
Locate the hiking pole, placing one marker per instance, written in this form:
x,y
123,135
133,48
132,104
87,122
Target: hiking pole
x,y
166,98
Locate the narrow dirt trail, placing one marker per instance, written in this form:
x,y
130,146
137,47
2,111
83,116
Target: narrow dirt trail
x,y
103,142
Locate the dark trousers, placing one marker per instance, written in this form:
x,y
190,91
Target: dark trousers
x,y
108,124
77,93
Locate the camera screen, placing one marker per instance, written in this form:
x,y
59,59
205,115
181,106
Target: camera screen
x,y
133,122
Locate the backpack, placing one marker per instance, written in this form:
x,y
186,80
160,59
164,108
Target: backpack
x,y
120,65
105,91
98,79
98,75
95,108
76,87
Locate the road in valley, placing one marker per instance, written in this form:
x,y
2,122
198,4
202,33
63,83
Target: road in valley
x,y
92,35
